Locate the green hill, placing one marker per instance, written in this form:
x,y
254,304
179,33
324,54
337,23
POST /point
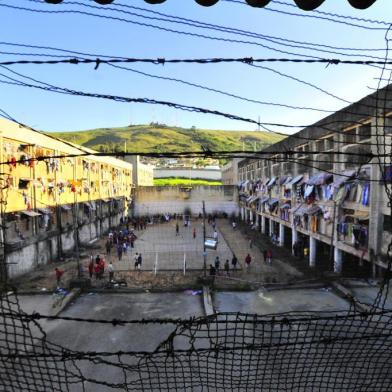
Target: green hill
x,y
161,138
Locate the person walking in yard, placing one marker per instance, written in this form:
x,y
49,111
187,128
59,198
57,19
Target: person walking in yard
x,y
139,261
108,247
194,232
234,262
212,273
177,229
111,271
91,267
269,256
233,225
248,260
119,251
227,267
59,273
101,267
97,270
217,263
265,255
136,260
215,235
250,243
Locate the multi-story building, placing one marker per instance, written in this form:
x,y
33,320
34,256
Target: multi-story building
x,y
230,172
49,192
143,174
322,191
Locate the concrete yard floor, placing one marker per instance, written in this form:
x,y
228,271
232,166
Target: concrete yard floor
x,y
161,247
141,369
99,337
368,294
279,301
76,335
159,242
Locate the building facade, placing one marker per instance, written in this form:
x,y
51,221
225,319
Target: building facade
x,y
230,172
49,192
143,175
322,191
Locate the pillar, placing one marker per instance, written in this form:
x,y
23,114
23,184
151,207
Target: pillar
x,y
242,213
251,216
294,238
281,234
312,252
337,260
271,227
262,224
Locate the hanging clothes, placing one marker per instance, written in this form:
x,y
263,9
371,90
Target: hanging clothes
x,y
360,188
298,192
352,193
313,223
366,194
308,190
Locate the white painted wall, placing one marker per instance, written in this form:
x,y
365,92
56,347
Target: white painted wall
x,y
207,174
159,200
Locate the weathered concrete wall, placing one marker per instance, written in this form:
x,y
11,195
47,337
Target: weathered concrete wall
x,y
67,241
27,255
158,200
22,260
105,225
45,252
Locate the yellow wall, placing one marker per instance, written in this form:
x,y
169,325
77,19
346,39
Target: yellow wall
x,y
58,180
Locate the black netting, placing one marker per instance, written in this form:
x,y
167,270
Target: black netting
x,y
344,351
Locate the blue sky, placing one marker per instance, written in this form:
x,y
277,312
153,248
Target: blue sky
x,y
71,31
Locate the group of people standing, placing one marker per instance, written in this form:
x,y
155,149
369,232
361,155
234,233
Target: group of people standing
x,y
216,267
121,240
97,267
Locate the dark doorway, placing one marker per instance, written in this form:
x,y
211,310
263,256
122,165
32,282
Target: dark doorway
x,y
287,238
354,267
267,225
323,257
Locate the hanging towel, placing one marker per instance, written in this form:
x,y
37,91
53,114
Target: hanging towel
x,y
366,194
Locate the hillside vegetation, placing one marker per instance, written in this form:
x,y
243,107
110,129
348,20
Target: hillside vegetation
x,y
159,138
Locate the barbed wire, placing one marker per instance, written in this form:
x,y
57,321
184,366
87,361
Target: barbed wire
x,y
324,16
335,15
321,124
162,61
161,17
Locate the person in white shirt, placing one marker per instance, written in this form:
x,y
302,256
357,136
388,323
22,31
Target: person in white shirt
x,y
111,271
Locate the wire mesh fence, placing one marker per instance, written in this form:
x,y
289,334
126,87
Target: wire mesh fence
x,y
296,351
